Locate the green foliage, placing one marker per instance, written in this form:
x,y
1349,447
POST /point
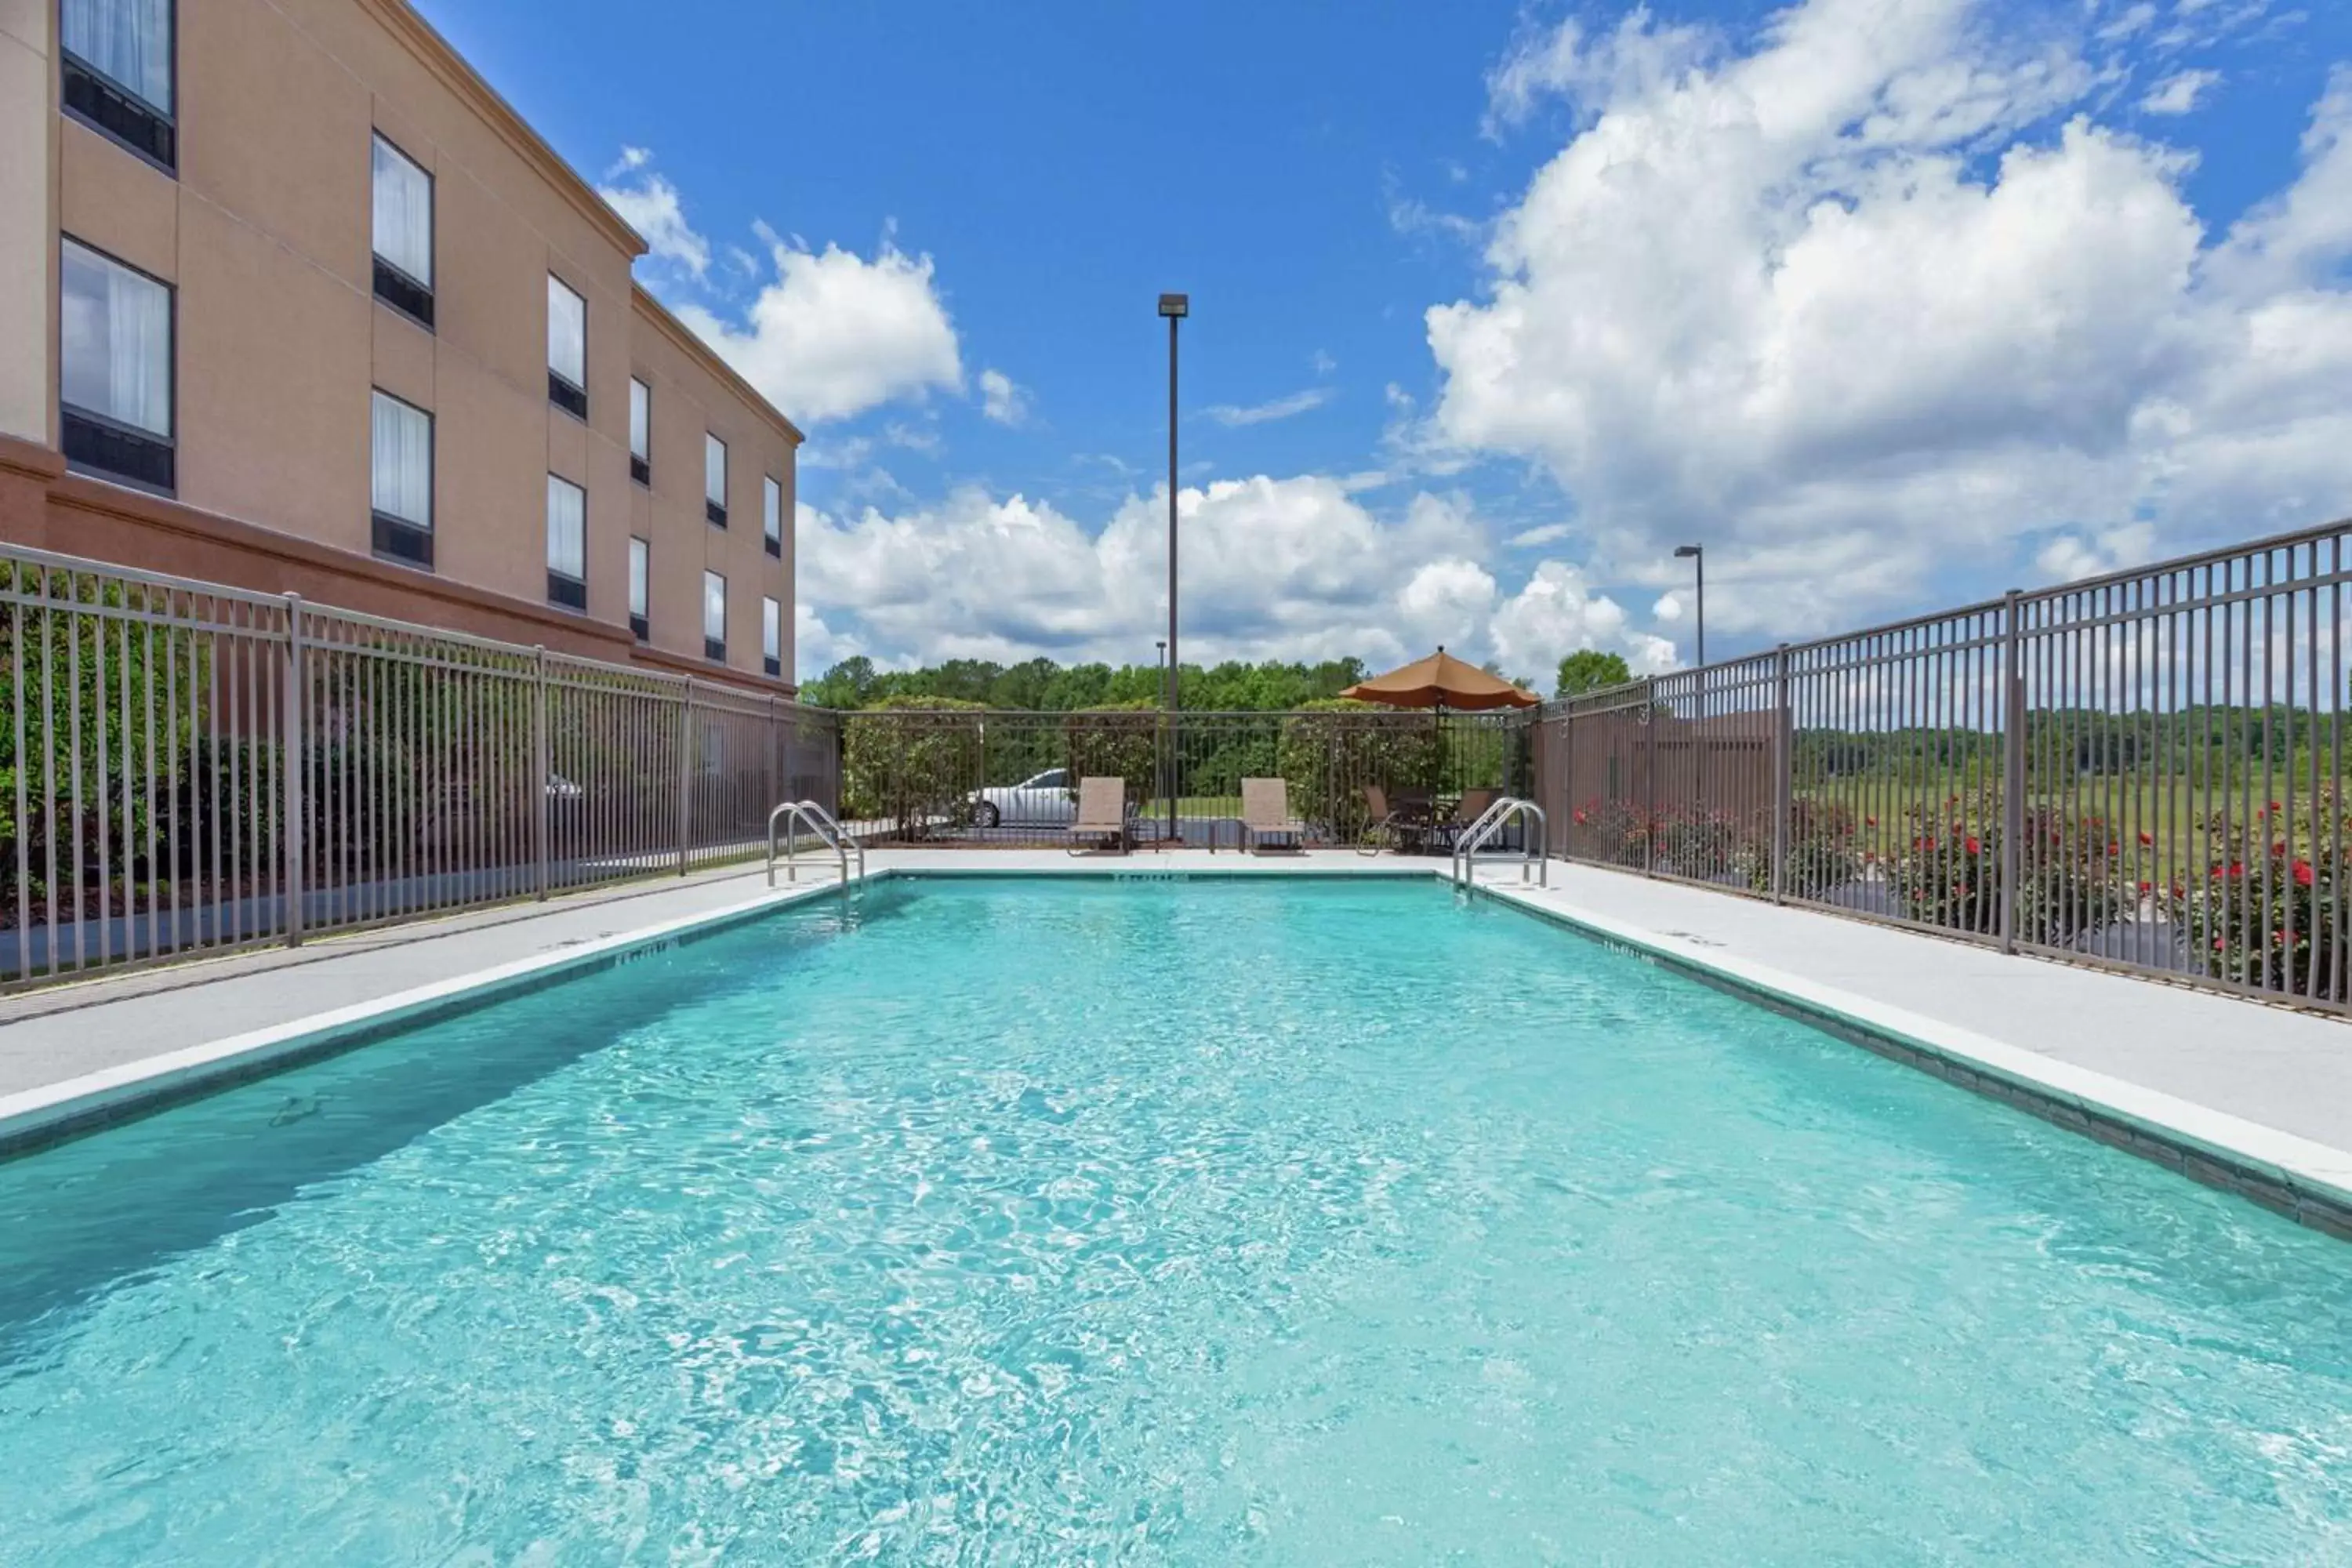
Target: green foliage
x,y
1117,740
1330,749
1589,670
911,761
1044,687
1823,854
1949,873
2264,914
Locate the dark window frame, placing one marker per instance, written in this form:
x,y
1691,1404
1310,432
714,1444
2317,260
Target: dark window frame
x,y
104,425
561,391
388,536
641,466
71,65
772,543
715,649
400,542
566,591
393,286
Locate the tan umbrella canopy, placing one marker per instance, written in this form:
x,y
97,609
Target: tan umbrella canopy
x,y
1442,681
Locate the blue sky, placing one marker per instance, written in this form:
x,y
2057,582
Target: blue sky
x,y
1889,311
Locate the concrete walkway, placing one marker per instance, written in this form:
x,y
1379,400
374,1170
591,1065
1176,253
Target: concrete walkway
x,y
2268,1087
2271,1066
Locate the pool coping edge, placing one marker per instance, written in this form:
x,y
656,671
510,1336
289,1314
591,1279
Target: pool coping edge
x,y
2296,1177
34,1117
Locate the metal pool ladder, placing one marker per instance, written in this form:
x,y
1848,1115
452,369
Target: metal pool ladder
x,y
825,830
1490,823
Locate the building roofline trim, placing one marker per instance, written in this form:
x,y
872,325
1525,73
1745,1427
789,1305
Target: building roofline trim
x,y
443,60
685,338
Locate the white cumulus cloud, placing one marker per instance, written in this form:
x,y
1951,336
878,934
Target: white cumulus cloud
x,y
649,204
2180,92
1002,398
1289,568
834,333
1878,295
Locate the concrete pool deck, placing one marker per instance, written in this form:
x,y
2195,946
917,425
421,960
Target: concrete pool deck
x,y
2266,1089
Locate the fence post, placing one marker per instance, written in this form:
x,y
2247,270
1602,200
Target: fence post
x,y
685,775
538,766
1784,783
1650,779
2012,767
297,692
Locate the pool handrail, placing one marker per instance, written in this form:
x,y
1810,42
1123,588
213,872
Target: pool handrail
x,y
826,831
1536,850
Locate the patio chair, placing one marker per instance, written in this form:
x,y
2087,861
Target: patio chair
x,y
1265,813
1396,828
1473,805
1103,816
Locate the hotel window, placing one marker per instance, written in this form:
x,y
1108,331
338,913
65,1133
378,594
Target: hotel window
x,y
771,515
118,72
714,617
567,544
714,479
567,348
641,432
114,371
401,479
404,232
640,574
772,636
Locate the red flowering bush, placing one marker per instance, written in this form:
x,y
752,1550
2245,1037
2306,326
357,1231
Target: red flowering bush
x,y
2266,912
2070,877
1823,853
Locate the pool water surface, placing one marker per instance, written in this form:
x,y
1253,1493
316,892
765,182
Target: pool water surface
x,y
993,1221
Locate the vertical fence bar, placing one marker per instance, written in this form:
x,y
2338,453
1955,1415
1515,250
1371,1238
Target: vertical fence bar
x,y
539,770
297,752
1783,782
2012,765
685,774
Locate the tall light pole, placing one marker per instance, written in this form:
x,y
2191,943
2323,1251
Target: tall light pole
x,y
1696,556
1175,307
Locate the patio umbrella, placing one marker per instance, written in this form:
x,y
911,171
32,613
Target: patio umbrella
x,y
1442,681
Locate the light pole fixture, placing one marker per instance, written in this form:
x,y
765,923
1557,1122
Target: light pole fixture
x,y
1175,307
1696,556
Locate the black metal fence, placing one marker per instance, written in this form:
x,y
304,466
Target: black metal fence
x,y
187,768
980,778
2142,770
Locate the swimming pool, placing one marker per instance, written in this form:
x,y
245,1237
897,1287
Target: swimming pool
x,y
1216,1222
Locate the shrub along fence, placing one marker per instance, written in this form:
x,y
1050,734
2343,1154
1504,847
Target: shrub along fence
x,y
2142,770
186,767
923,770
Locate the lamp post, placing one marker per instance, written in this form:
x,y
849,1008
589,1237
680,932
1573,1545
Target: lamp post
x,y
1175,307
1696,556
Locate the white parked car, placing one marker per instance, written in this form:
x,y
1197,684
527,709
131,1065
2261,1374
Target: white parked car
x,y
1049,798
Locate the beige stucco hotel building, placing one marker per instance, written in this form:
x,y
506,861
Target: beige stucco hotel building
x,y
290,298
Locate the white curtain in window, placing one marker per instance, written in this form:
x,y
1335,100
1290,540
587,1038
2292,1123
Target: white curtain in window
x,y
567,529
641,419
714,468
773,495
114,331
771,629
129,41
403,461
403,213
640,555
714,606
567,333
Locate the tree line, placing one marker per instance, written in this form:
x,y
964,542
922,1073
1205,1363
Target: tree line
x,y
1042,685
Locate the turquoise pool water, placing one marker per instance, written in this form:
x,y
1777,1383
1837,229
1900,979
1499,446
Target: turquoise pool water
x,y
1215,1223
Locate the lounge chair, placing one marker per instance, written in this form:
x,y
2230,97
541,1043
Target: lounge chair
x,y
1265,813
1102,816
1390,827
